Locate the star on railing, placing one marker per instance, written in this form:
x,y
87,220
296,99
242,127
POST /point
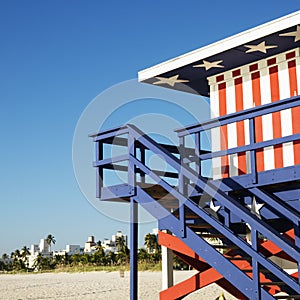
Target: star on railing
x,y
255,207
214,207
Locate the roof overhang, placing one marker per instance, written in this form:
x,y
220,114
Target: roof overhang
x,y
181,74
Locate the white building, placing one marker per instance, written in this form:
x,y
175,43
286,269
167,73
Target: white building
x,y
43,248
90,245
119,235
73,249
111,245
70,250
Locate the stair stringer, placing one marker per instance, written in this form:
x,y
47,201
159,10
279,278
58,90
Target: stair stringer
x,y
216,193
252,219
216,260
207,274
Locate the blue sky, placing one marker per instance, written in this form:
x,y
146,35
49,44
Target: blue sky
x,y
55,57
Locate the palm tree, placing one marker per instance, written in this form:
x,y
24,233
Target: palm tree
x,y
4,256
123,251
111,258
99,247
25,251
24,254
17,254
38,262
143,255
17,261
50,240
120,243
151,243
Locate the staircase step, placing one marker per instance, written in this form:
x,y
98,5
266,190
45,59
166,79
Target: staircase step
x,y
225,246
208,235
264,271
199,226
195,223
279,283
240,258
287,297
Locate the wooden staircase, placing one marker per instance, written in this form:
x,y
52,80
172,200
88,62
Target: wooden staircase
x,y
236,232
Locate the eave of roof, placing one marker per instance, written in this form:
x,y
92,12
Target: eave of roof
x,y
230,46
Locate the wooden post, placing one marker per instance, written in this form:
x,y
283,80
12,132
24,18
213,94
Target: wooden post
x,y
167,267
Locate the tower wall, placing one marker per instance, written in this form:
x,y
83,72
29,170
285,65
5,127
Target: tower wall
x,y
267,80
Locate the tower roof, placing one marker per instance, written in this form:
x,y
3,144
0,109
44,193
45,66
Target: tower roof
x,y
189,72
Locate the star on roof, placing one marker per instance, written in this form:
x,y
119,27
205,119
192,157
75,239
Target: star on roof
x,y
171,81
260,47
208,65
295,34
255,207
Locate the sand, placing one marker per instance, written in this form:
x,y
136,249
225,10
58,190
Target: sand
x,y
92,285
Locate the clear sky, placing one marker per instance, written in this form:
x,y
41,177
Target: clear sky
x,y
56,56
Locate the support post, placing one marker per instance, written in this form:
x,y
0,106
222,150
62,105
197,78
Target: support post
x,y
167,266
133,249
255,267
252,152
143,160
198,152
99,170
182,188
297,243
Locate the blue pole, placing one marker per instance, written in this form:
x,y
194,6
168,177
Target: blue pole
x,y
133,249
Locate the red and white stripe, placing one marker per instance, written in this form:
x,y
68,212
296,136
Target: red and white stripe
x,y
259,83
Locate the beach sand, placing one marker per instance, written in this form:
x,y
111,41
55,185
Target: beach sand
x,y
93,285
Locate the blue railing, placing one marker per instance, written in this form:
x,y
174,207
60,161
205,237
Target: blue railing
x,y
249,114
138,170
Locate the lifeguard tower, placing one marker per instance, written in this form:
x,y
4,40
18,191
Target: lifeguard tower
x,y
250,204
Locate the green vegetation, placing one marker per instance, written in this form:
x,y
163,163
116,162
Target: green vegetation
x,y
149,259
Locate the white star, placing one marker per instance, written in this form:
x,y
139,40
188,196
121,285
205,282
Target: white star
x,y
260,47
170,81
296,34
213,207
255,207
208,65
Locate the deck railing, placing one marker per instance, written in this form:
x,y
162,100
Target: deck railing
x,y
250,114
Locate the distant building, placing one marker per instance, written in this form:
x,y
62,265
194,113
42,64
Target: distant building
x,y
111,245
90,245
70,250
43,249
73,249
119,235
34,249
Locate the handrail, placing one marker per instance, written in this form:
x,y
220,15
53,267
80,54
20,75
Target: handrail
x,y
136,136
240,116
251,147
209,187
224,199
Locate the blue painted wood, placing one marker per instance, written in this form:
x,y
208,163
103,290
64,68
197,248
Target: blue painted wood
x,y
201,247
250,147
217,194
133,249
190,181
99,171
241,115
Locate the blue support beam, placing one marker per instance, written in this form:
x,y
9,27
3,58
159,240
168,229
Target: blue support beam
x,y
133,249
201,247
189,179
